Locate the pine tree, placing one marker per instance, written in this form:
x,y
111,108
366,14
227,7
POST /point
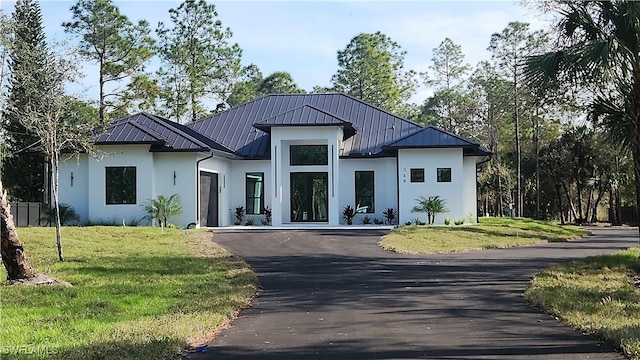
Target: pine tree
x,y
23,171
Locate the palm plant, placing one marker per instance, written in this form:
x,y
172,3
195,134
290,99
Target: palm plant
x,y
67,215
431,205
600,49
162,207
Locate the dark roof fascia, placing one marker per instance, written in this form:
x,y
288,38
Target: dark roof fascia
x,y
379,155
169,149
479,151
107,143
385,147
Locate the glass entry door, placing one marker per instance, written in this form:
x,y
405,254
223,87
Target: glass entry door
x,y
309,200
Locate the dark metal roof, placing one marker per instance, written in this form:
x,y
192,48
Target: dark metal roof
x,y
161,133
306,115
431,137
434,137
234,128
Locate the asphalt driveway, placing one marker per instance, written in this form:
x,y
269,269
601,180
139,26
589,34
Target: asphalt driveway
x,y
336,295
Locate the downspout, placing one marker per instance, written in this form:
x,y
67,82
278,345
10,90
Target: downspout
x,y
198,185
398,186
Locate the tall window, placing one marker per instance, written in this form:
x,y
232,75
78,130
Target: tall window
x,y
255,193
417,175
120,184
308,155
365,194
444,174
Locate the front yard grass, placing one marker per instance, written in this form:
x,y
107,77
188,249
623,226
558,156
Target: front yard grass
x,y
137,294
598,295
491,233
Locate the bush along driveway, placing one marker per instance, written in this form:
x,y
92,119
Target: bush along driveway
x,y
337,295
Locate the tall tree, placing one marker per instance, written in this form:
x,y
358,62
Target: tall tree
x,y
246,89
198,55
279,82
371,68
447,75
23,172
6,35
509,49
600,49
47,113
253,85
108,37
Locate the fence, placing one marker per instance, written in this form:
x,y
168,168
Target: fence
x,y
27,213
628,215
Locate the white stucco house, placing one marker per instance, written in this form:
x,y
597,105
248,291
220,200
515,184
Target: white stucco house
x,y
304,156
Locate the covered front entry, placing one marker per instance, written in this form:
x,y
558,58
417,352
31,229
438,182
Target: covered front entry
x,y
309,197
208,199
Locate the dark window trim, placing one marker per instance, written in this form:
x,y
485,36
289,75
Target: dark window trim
x,y
438,175
371,209
325,175
247,197
106,185
415,180
325,158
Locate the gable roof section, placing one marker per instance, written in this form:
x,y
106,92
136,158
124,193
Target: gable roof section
x,y
306,115
431,137
234,128
434,137
162,134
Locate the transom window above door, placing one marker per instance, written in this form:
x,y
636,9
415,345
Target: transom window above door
x,y
301,155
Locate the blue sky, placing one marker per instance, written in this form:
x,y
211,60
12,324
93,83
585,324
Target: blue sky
x,y
302,37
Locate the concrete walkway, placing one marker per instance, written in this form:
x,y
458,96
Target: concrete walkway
x,y
336,295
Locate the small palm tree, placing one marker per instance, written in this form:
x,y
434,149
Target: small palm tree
x,y
431,205
162,207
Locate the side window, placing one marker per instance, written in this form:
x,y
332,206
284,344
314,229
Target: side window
x,y
120,184
255,193
417,175
365,191
444,174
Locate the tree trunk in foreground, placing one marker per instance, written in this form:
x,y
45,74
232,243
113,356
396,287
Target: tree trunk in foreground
x,y
13,257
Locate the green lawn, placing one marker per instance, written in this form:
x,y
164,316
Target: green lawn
x,y
137,294
489,234
596,295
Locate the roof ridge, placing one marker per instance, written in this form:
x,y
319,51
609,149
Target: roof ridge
x,y
145,130
378,108
174,126
302,106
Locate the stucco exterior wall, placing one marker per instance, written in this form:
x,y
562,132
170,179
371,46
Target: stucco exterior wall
x,y
385,185
183,164
222,167
239,169
281,139
129,155
470,197
430,160
75,192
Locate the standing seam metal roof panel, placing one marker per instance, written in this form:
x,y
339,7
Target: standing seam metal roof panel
x,y
342,106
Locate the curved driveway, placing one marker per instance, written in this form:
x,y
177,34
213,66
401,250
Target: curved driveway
x,y
336,295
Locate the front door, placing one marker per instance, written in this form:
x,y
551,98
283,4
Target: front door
x,y
309,200
208,199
